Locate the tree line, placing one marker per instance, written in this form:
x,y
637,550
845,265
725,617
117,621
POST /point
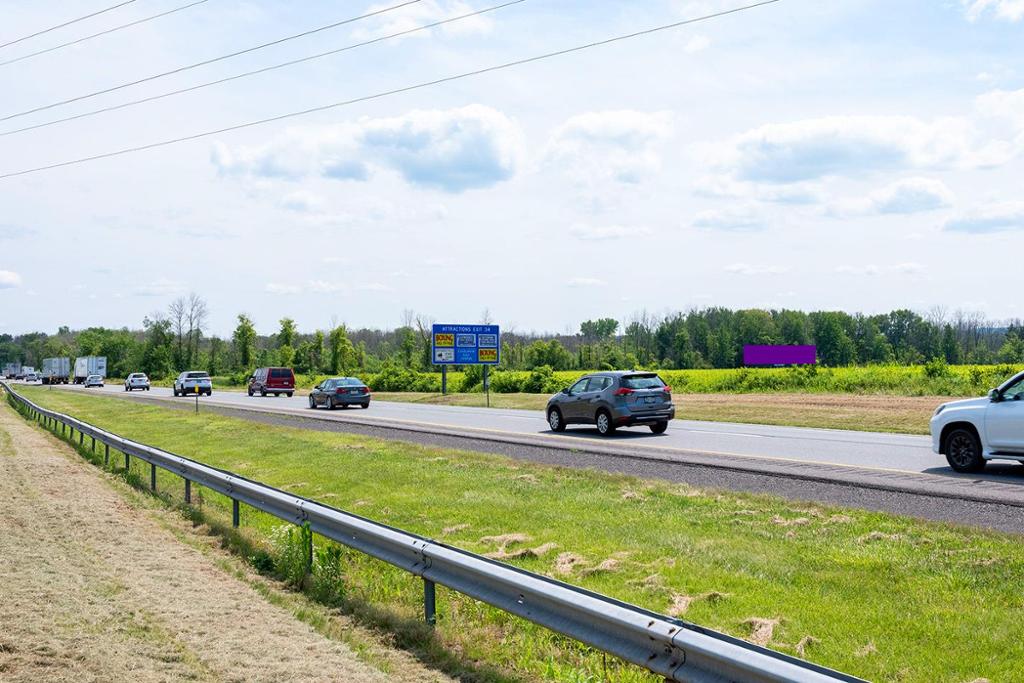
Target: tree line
x,y
177,339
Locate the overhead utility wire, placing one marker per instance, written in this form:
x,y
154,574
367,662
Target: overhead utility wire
x,y
103,33
66,23
213,60
387,93
282,65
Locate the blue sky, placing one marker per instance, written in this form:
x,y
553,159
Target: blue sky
x,y
853,154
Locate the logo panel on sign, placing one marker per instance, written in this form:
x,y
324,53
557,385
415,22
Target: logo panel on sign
x,y
488,341
444,340
487,355
466,341
444,355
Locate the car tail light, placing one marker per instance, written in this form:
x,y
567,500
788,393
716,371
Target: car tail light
x,y
624,392
667,389
364,390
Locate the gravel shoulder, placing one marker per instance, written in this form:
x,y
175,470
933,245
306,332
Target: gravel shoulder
x,y
95,588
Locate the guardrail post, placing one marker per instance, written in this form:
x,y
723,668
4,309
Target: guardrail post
x,y
429,602
152,477
106,454
234,513
81,438
94,444
127,462
62,426
309,548
188,491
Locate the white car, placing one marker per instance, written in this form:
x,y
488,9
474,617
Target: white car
x,y
193,382
136,380
94,381
31,377
972,432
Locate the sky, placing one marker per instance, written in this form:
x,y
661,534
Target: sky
x,y
858,155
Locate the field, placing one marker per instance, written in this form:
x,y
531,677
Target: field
x,y
883,597
890,380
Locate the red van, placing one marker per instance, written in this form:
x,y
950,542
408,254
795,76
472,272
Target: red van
x,y
274,381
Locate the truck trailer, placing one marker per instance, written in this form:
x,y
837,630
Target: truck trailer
x,y
56,370
11,370
90,365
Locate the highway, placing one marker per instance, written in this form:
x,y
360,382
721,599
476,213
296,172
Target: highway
x,y
895,452
888,472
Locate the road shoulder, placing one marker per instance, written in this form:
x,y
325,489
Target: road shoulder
x,y
96,587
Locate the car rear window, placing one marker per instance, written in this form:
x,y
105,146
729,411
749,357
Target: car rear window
x,y
351,382
650,381
280,373
197,375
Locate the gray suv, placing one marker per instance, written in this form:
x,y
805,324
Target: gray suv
x,y
613,399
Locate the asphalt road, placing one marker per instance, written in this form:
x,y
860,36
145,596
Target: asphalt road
x,y
869,450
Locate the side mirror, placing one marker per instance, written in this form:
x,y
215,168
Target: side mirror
x,y
993,395
566,391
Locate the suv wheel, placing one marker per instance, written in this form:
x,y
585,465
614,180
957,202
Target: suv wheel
x,y
263,393
555,420
175,390
659,427
330,403
605,426
312,403
963,451
250,392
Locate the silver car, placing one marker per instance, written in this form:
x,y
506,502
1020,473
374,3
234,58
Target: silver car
x,y
193,382
136,380
610,400
94,381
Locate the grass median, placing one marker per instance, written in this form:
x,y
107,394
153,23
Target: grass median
x,y
883,597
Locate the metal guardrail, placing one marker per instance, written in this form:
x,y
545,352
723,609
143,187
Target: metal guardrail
x,y
672,648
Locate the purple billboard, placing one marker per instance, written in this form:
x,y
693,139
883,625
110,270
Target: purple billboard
x,y
780,355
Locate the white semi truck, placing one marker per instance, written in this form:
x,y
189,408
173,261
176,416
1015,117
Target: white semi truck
x,y
56,370
90,365
11,370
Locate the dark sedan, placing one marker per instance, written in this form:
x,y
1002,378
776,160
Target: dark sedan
x,y
340,391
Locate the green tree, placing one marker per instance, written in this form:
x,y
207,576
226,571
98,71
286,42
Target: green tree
x,y
343,354
244,341
835,347
286,337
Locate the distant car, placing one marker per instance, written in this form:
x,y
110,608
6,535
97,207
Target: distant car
x,y
340,391
93,381
136,380
193,382
972,432
610,400
31,377
274,381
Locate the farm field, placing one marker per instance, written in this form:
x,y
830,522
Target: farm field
x,y
879,596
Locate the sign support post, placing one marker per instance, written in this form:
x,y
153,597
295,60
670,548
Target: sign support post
x,y
444,380
487,385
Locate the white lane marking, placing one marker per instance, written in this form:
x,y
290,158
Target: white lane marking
x,y
717,433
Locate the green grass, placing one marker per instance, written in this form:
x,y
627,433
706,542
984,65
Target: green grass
x,y
883,597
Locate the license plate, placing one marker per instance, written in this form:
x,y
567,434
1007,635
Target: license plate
x,y
353,391
651,399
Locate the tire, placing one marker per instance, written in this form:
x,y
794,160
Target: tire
x,y
288,394
605,426
147,388
659,427
312,403
175,390
250,392
963,451
127,389
365,405
263,393
555,421
330,403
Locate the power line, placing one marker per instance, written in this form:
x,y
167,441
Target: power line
x,y
388,93
213,60
274,67
103,33
67,23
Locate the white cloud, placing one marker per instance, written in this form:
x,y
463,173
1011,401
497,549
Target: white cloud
x,y
1010,10
9,279
157,288
734,219
622,146
421,14
999,217
452,150
586,282
832,146
907,196
282,289
603,233
748,269
324,287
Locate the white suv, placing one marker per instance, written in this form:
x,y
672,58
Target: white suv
x,y
136,380
193,382
970,433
